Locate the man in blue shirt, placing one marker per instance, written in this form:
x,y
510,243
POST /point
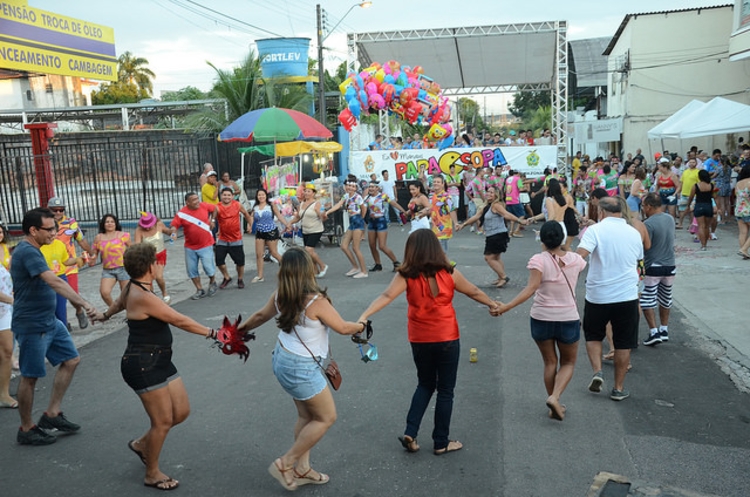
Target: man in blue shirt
x,y
713,164
39,333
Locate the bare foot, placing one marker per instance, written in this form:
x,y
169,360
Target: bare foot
x,y
556,409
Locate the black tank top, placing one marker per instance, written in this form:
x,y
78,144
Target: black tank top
x,y
149,331
702,197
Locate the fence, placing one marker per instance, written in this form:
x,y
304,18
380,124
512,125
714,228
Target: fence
x,y
119,173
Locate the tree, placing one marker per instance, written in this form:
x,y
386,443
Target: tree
x,y
245,89
133,70
526,102
468,115
117,93
540,118
187,93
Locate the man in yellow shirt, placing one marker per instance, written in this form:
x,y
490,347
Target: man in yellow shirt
x,y
689,179
210,191
57,257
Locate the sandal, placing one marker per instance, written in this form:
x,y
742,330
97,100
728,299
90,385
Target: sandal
x,y
304,479
552,415
277,471
408,443
165,484
131,446
609,356
453,446
556,409
13,404
257,279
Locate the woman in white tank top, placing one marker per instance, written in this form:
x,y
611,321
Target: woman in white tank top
x,y
304,315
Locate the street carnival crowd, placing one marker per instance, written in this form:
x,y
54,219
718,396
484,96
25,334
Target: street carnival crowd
x,y
623,212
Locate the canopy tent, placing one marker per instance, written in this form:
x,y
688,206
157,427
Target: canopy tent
x,y
290,149
717,117
667,126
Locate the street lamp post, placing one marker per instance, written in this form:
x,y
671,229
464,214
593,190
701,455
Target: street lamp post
x,y
321,39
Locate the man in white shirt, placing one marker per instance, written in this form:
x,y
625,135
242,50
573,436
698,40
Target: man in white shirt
x,y
389,187
611,292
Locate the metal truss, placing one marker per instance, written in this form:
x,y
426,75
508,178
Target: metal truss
x,y
560,97
427,34
478,90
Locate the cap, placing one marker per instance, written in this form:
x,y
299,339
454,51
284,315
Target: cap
x,y
55,202
211,173
663,160
147,220
512,133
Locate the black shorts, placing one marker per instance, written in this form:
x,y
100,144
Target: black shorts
x,y
496,244
703,209
623,316
268,235
311,239
147,367
236,252
570,222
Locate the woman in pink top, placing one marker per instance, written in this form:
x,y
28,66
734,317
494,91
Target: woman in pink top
x,y
111,242
555,323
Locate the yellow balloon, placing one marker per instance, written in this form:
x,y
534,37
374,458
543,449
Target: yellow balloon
x,y
379,75
343,86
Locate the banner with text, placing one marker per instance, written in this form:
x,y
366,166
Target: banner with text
x,y
39,41
404,165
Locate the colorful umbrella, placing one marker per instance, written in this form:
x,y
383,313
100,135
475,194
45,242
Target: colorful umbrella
x,y
272,125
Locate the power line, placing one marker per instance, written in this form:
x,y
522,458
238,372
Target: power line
x,y
232,18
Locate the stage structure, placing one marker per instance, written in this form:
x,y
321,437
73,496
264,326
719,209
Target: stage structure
x,y
502,58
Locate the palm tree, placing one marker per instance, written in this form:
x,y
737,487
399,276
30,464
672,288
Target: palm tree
x,y
133,70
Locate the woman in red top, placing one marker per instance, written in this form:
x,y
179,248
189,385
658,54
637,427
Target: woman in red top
x,y
430,282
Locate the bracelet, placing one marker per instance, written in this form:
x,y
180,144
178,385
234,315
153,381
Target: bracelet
x,y
106,317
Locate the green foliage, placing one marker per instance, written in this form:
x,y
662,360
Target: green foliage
x,y
118,93
133,70
244,89
469,117
187,93
539,119
526,102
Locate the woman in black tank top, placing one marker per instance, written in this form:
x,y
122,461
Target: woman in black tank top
x,y
704,208
147,365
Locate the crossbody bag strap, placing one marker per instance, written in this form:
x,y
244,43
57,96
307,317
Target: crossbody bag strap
x,y
315,358
572,294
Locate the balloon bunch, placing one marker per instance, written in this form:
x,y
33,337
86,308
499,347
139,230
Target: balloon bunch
x,y
402,90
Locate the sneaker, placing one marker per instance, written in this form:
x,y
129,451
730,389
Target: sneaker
x,y
167,299
597,382
351,272
376,267
59,423
212,289
359,276
396,265
664,334
199,294
322,273
653,339
240,284
225,282
35,436
83,320
713,236
619,394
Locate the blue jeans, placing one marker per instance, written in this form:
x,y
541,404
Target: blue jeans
x,y
437,367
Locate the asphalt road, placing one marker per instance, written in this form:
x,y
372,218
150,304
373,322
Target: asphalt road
x,y
685,425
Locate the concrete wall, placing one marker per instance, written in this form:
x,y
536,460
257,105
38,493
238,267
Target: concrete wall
x,y
673,58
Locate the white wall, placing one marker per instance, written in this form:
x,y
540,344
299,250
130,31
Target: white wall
x,y
673,58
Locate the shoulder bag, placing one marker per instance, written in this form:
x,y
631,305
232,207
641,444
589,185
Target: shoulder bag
x,y
332,371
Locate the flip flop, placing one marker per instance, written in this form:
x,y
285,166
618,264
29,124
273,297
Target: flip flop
x,y
453,446
304,479
165,481
408,443
556,409
131,446
9,405
277,471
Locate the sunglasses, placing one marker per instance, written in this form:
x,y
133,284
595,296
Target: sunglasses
x,y
57,210
48,230
358,338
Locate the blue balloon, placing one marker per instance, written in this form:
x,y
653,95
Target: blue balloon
x,y
389,79
355,108
350,93
403,79
397,90
445,142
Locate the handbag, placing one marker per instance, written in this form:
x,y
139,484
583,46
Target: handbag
x,y
332,371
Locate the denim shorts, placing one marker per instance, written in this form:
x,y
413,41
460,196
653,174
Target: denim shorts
x,y
515,209
744,219
378,224
117,273
356,223
703,209
562,331
56,345
206,258
299,376
147,367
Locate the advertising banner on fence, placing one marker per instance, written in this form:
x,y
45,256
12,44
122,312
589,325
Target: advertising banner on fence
x,y
39,41
404,165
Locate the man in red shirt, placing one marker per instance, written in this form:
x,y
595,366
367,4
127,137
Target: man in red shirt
x,y
196,220
230,236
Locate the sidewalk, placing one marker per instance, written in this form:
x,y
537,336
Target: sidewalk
x,y
179,287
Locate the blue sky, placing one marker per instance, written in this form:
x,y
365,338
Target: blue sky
x,y
178,42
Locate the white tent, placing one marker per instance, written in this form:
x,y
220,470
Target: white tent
x,y
666,128
717,117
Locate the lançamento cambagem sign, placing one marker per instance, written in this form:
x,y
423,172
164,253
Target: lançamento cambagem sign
x,y
39,41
